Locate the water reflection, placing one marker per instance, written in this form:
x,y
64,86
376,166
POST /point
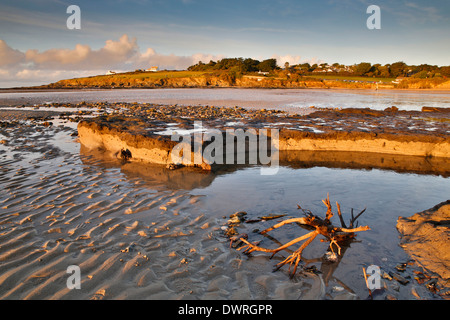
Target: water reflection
x,y
327,266
192,178
389,186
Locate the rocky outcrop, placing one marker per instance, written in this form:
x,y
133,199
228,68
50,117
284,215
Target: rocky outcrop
x,y
414,145
225,79
135,144
135,140
425,236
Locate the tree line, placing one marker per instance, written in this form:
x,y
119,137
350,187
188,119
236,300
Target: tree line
x,y
400,69
239,66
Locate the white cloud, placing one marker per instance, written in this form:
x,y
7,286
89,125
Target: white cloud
x,y
35,67
292,60
123,54
114,53
171,61
9,56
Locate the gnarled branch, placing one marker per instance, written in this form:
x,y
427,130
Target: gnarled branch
x,y
333,234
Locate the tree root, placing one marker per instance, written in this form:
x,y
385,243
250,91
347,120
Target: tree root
x,y
335,235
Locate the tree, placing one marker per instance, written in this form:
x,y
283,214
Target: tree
x,y
445,71
376,69
250,65
267,65
398,69
305,67
421,75
362,68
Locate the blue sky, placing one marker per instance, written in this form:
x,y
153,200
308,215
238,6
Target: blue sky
x,y
116,34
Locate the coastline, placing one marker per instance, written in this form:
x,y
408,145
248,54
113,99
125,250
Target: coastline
x,y
71,89
172,79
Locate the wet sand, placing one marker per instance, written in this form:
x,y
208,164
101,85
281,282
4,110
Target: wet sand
x,y
59,208
135,235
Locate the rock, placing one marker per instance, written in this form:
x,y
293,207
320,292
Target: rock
x,y
130,248
435,109
237,218
431,284
401,267
425,237
205,166
386,276
231,231
391,109
346,296
125,154
174,166
234,220
399,278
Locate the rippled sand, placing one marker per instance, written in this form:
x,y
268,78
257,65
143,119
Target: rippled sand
x,y
142,233
130,240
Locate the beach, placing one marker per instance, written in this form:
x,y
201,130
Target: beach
x,y
142,231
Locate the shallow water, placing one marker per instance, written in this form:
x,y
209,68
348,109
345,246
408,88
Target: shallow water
x,y
141,232
288,99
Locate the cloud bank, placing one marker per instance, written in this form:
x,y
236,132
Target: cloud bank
x,y
33,67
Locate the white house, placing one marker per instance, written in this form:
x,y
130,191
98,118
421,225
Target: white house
x,y
110,72
152,69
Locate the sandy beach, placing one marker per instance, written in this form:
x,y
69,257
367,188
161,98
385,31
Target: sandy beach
x,y
60,210
143,232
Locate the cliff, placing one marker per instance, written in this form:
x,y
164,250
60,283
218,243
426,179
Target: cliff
x,y
191,79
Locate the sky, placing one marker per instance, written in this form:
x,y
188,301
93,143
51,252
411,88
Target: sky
x,y
37,47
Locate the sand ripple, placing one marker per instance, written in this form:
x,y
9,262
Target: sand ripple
x,y
130,240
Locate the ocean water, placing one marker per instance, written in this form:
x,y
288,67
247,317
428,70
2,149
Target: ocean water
x,y
288,99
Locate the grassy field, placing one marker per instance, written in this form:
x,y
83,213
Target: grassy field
x,y
189,74
152,75
223,78
350,78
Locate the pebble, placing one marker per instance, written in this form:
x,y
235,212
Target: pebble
x,y
338,288
390,297
399,278
130,248
386,276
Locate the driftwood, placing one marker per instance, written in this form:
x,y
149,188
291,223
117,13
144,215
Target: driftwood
x,y
335,235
